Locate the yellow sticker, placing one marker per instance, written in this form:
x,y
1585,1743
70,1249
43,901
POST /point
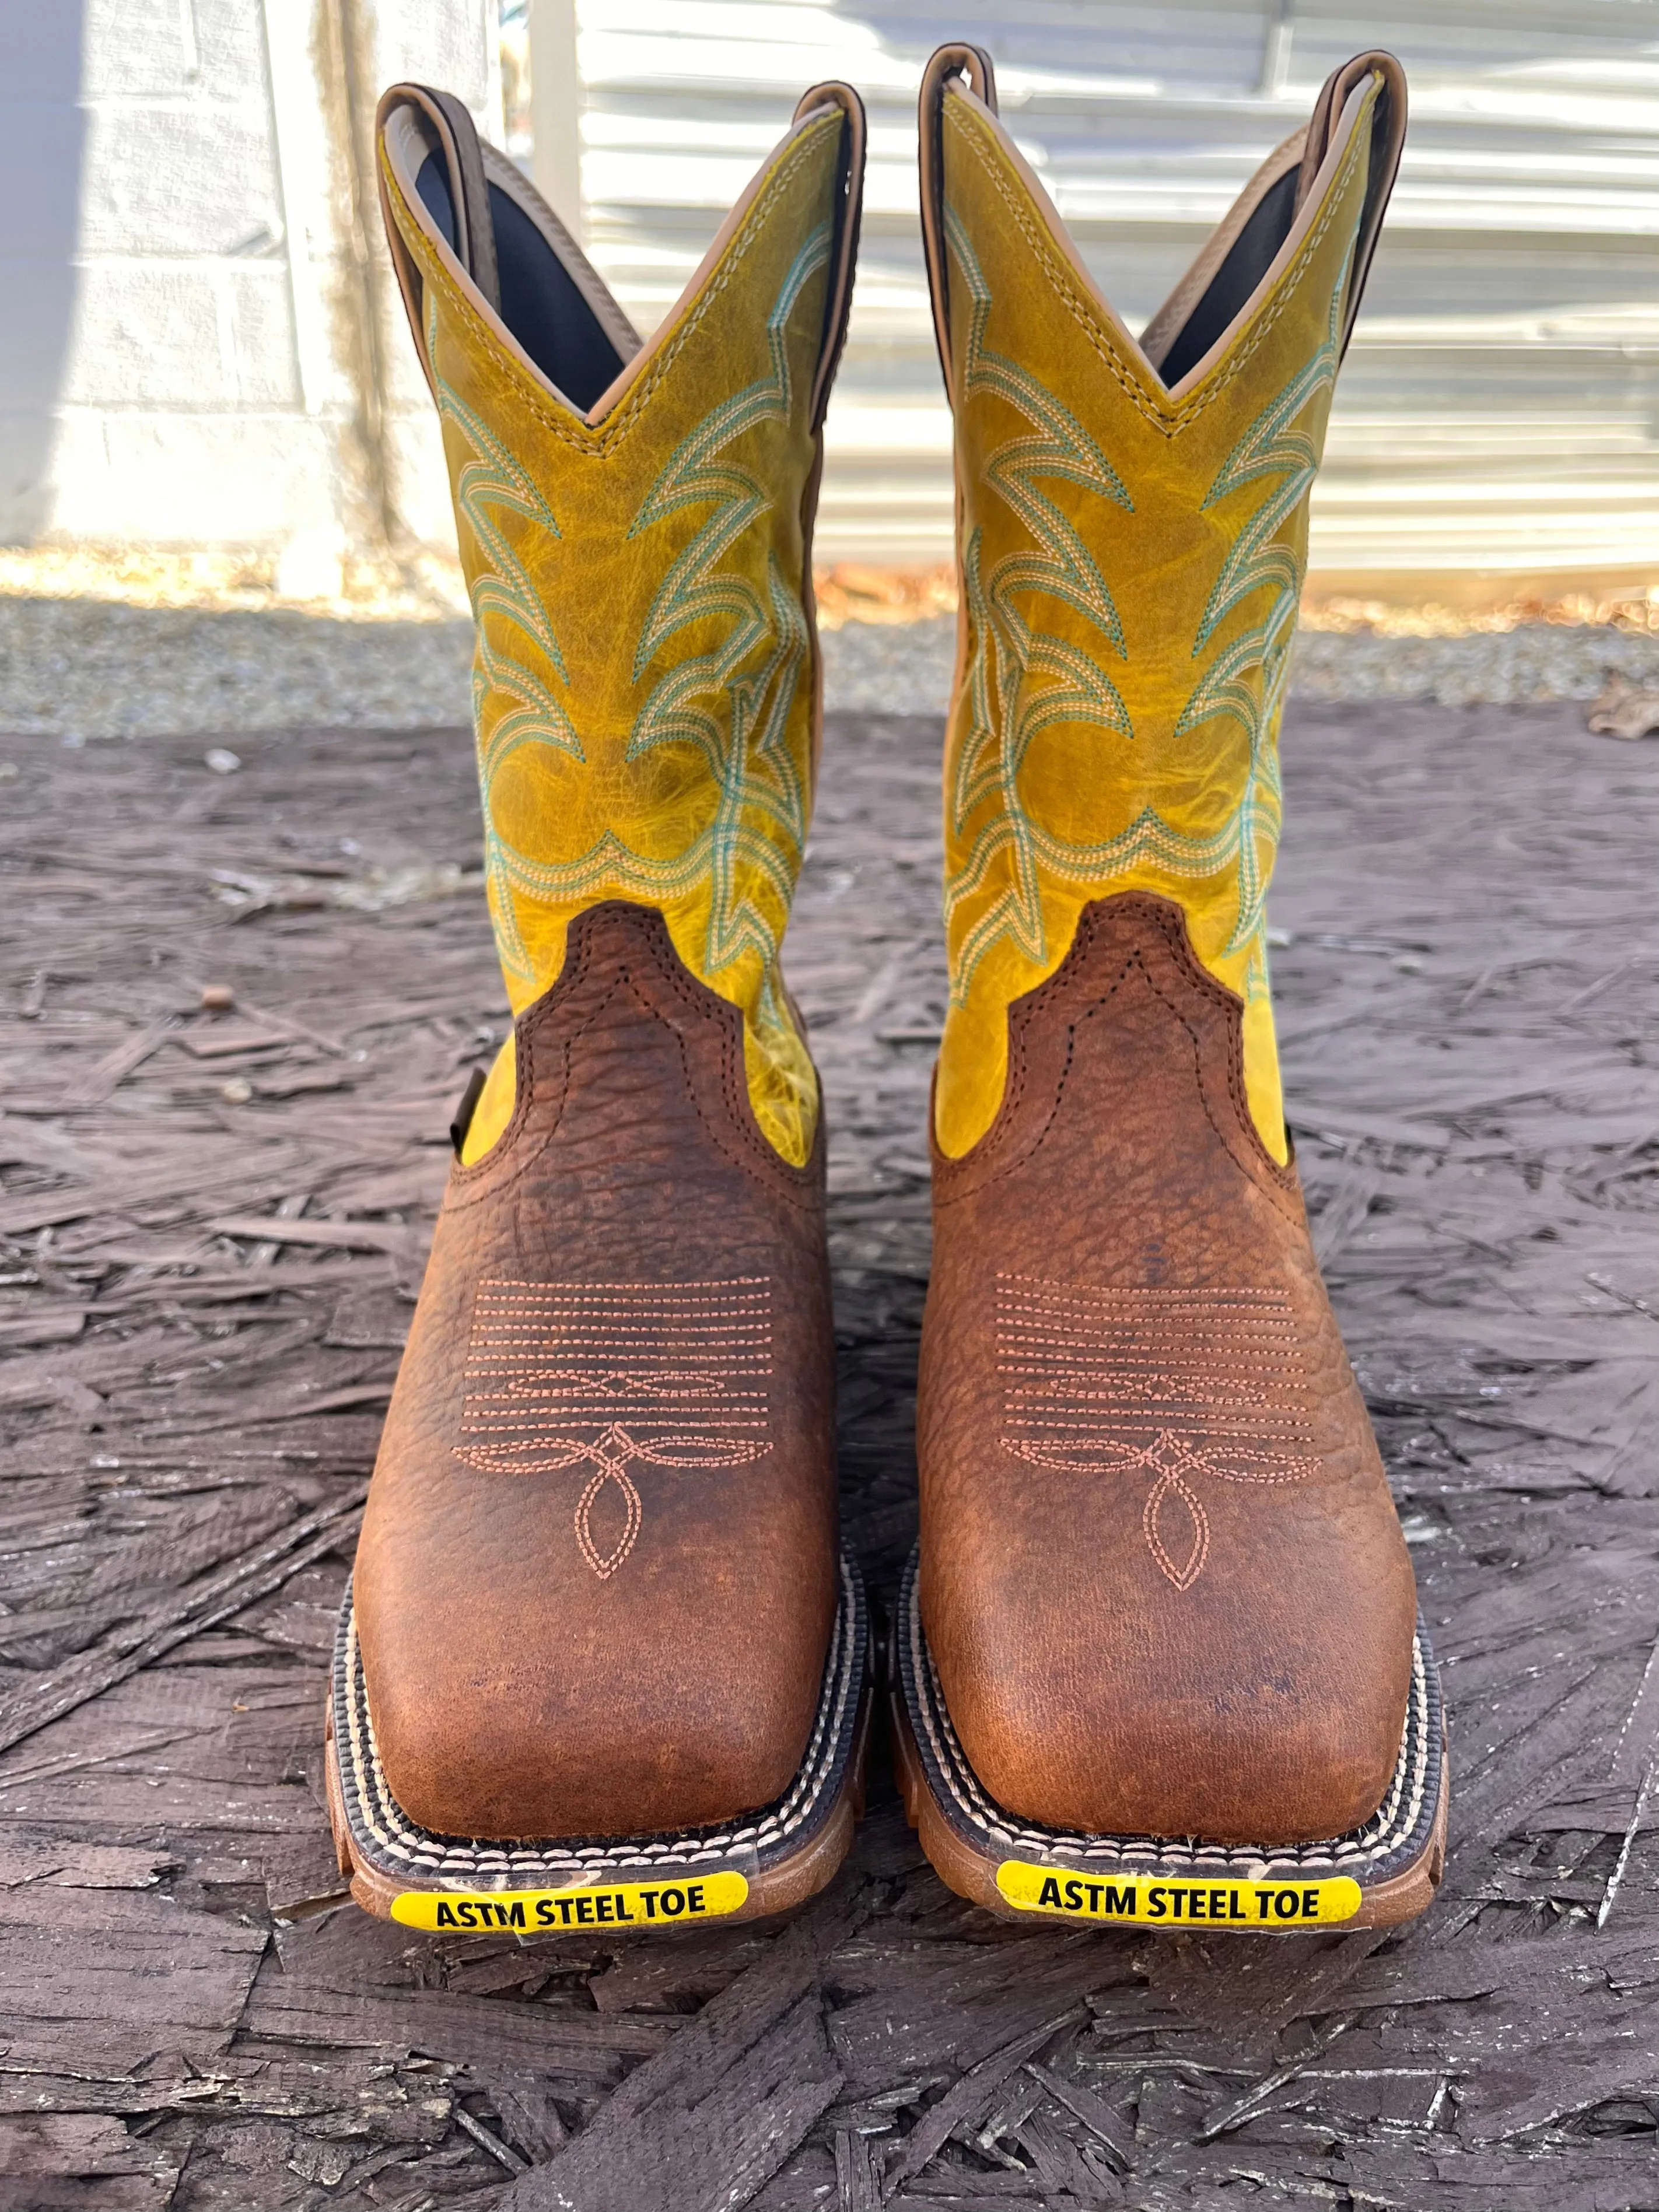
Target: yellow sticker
x,y
533,1912
1161,1903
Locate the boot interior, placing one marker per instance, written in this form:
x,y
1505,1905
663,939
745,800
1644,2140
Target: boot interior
x,y
552,301
1219,285
541,303
1245,247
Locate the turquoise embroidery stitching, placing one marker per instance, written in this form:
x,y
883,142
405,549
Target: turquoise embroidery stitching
x,y
1270,447
997,741
1007,711
504,594
747,751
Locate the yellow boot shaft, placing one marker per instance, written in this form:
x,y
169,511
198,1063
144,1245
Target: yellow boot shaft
x,y
646,681
1131,555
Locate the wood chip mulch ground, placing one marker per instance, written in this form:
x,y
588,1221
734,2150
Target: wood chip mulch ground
x,y
211,1228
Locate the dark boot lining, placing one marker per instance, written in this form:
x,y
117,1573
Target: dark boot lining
x,y
1247,262
540,302
1252,252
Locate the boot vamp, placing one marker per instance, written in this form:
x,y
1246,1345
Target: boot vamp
x,y
595,1584
1162,1578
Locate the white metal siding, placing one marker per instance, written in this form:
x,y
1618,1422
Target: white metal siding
x,y
1497,408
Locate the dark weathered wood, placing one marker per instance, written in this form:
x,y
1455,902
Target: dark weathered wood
x,y
202,1296
201,1606
103,1979
966,2102
720,2108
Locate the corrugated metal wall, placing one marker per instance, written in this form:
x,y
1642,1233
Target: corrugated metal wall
x,y
1497,409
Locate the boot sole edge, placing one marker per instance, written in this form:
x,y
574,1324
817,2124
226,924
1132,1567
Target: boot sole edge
x,y
967,1838
786,1852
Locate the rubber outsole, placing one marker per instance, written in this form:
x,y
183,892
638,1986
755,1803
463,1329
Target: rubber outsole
x,y
785,1852
1395,1859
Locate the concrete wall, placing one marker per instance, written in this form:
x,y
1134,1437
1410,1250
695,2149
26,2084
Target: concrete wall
x,y
42,131
203,346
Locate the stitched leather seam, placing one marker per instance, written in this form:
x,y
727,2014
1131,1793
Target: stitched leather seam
x,y
1032,1314
998,1134
1058,1355
1008,1115
1136,1422
375,1816
1116,1403
1187,963
1169,424
1108,1380
1061,1294
597,1420
1281,1179
468,1185
1023,1159
1235,1092
507,1413
601,441
583,1294
1406,1814
733,1079
796,1186
641,997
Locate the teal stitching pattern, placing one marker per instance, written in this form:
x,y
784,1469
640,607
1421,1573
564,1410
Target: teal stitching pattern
x,y
1246,680
512,705
1007,710
745,748
570,427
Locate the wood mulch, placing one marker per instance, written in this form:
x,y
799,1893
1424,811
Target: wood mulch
x,y
212,1227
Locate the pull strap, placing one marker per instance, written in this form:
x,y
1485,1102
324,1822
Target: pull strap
x,y
469,194
974,65
1388,138
843,250
469,201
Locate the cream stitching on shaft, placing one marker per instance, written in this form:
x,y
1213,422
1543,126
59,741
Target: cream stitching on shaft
x,y
1175,419
602,439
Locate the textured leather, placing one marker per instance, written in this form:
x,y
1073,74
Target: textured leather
x,y
646,683
595,1583
1161,1575
1131,551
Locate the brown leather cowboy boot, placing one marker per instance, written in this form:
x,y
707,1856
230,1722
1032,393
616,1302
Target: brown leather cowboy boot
x,y
1159,1654
602,1661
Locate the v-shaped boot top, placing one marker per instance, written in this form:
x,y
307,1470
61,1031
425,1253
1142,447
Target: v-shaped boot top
x,y
634,525
457,208
1360,109
1133,534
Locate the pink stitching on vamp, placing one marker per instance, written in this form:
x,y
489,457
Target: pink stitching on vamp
x,y
1095,1383
616,1375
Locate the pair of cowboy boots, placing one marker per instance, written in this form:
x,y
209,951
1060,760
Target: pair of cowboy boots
x,y
1156,1658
